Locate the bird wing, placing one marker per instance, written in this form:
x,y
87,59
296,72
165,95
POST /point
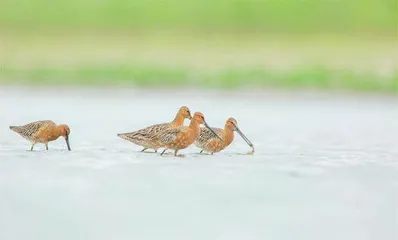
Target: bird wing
x,y
31,129
206,134
145,133
169,135
154,129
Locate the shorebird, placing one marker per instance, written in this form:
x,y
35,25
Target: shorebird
x,y
145,137
207,142
43,132
181,137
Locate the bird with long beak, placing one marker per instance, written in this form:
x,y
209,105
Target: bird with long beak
x,y
207,142
146,137
181,137
43,132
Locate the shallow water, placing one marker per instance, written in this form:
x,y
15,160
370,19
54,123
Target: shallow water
x,y
325,167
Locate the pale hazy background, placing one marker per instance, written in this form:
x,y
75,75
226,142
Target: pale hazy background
x,y
222,44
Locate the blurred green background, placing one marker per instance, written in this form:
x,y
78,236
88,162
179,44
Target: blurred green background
x,y
294,44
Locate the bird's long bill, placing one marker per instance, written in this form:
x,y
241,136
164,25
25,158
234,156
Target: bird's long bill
x,y
245,138
67,143
206,125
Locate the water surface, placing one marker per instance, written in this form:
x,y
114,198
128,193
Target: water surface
x,y
325,167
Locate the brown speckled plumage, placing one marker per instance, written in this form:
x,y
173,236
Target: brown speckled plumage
x,y
208,143
181,137
146,137
42,132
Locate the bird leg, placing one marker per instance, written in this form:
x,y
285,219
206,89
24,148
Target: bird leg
x,y
175,154
46,146
143,150
205,153
31,149
163,152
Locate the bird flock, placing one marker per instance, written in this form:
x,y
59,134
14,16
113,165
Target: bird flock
x,y
167,136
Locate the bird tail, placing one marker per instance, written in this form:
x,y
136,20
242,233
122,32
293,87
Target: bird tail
x,y
124,136
16,129
134,138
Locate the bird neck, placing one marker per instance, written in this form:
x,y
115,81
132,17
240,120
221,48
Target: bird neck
x,y
178,120
194,124
58,132
228,136
54,134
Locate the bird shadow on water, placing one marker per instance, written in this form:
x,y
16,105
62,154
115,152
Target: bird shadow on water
x,y
241,154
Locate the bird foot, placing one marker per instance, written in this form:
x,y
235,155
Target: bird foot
x,y
204,153
168,154
148,152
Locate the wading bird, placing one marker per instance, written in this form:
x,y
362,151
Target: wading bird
x,y
207,142
145,137
42,132
181,137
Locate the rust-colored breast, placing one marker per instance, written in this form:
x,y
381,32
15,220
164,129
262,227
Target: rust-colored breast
x,y
183,140
215,145
47,133
179,138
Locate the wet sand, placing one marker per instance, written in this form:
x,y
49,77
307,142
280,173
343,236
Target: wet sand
x,y
325,167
